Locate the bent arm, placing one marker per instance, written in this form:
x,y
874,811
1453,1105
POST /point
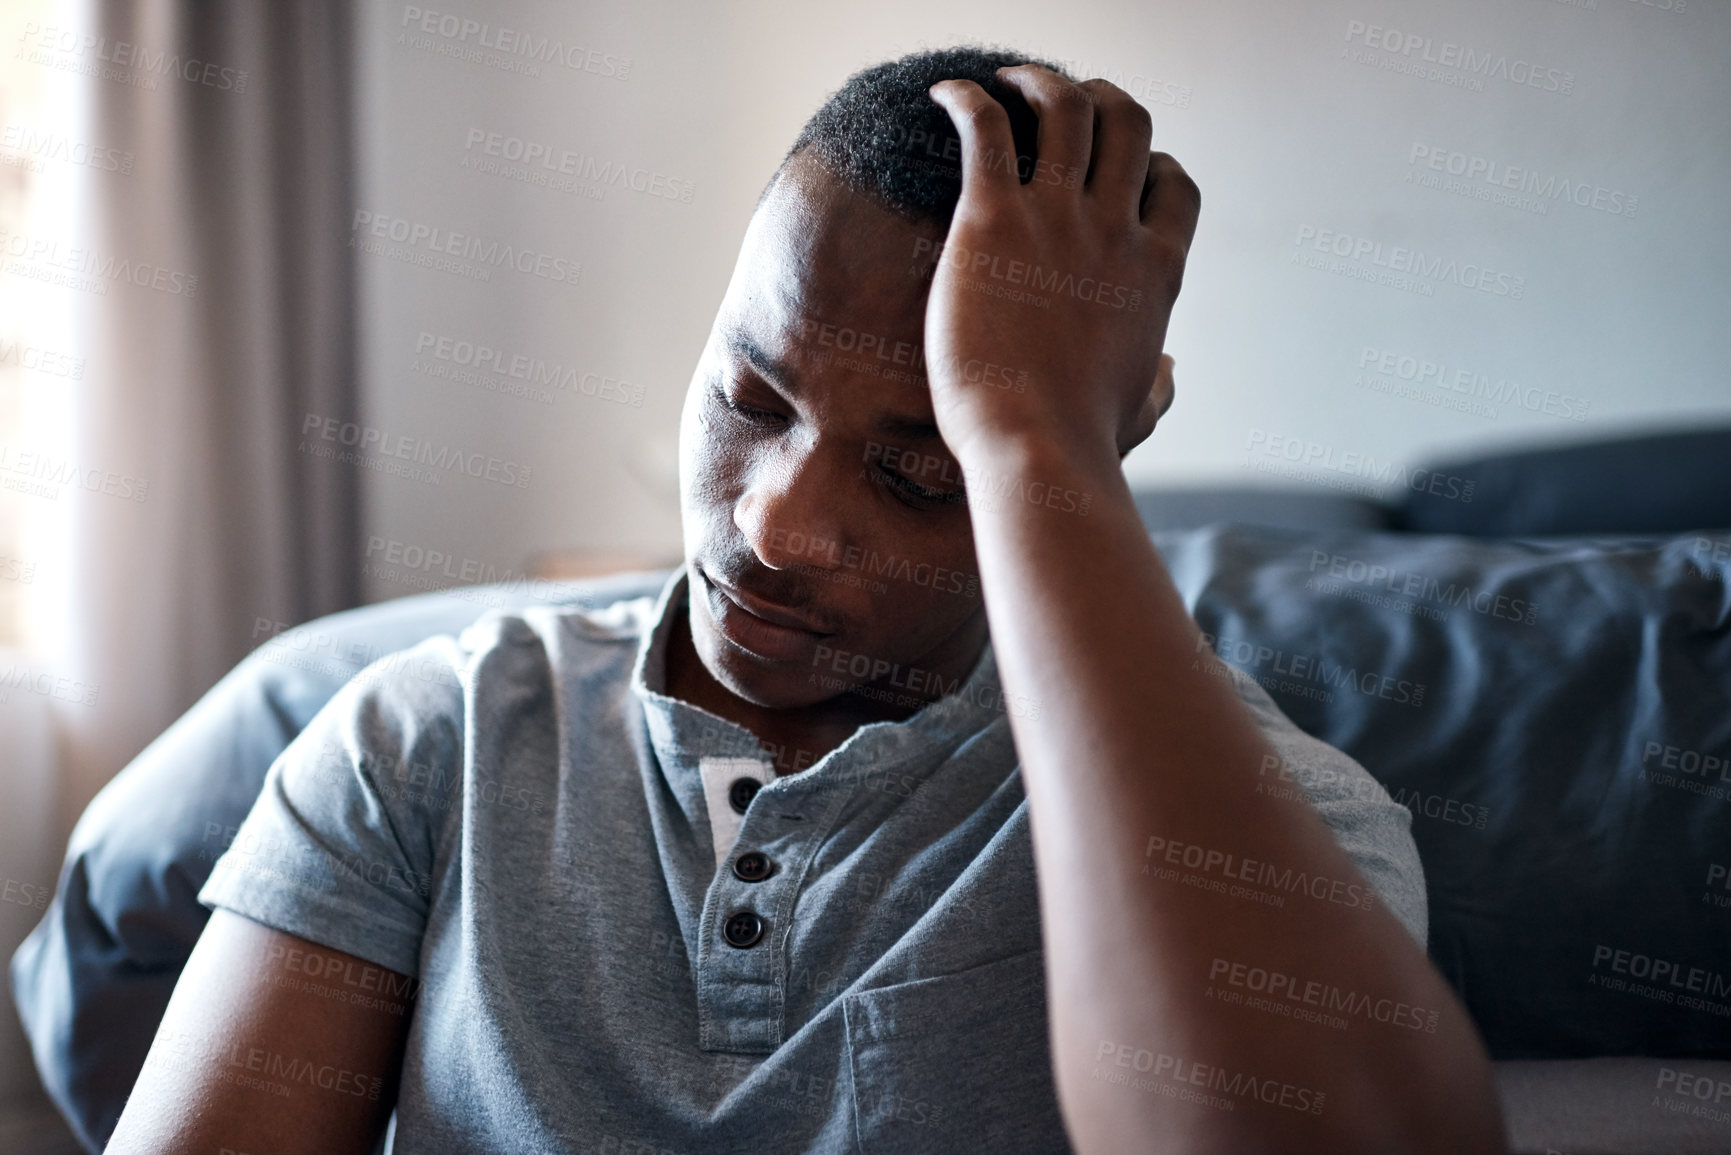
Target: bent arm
x,y
1141,736
270,1043
1140,742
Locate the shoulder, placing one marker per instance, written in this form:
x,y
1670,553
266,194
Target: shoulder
x,y
554,644
1327,774
1370,826
502,662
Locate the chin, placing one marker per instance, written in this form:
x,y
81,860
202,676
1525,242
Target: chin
x,y
771,685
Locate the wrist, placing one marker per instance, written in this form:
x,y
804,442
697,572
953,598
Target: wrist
x,y
1024,446
1036,470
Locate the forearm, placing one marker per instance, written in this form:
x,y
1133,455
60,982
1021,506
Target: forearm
x,y
1136,736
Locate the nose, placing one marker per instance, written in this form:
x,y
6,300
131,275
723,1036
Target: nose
x,y
791,512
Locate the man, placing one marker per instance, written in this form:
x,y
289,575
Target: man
x,y
792,856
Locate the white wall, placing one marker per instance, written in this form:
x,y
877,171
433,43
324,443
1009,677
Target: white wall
x,y
1622,317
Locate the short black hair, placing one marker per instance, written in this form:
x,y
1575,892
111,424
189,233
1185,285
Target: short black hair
x,y
881,134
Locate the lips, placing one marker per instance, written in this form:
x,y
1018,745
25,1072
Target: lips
x,y
762,628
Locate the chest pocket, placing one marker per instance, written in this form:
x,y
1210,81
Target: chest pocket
x,y
956,1063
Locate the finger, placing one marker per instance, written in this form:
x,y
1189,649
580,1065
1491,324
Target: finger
x,y
1150,409
1122,130
1170,201
988,147
1165,389
1141,427
1066,114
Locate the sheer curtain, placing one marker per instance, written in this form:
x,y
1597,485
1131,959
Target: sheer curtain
x,y
204,366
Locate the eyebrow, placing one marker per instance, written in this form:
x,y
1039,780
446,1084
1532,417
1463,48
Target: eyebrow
x,y
781,376
777,373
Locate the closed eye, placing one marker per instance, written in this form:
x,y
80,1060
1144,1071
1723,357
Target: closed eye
x,y
748,413
913,489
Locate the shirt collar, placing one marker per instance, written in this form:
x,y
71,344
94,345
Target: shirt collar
x,y
683,732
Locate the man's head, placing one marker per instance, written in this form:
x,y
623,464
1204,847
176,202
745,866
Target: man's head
x,y
825,525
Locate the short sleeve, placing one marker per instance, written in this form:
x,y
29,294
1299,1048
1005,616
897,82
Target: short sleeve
x,y
1373,829
342,847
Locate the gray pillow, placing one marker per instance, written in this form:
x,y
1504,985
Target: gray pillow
x,y
1659,484
1557,716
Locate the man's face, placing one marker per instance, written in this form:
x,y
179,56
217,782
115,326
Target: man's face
x,y
824,525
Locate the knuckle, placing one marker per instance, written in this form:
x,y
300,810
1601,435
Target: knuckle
x,y
1167,258
979,116
1052,88
1189,188
1077,95
1109,96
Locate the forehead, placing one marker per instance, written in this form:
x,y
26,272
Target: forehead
x,y
822,264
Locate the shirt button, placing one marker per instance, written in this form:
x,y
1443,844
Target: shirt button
x,y
742,929
741,792
752,866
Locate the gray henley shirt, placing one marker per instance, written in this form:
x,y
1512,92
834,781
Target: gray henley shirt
x,y
522,821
